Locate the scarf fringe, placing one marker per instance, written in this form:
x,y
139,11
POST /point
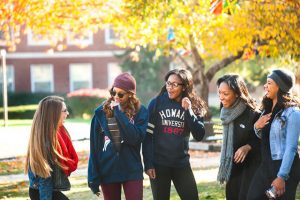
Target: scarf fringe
x,y
225,170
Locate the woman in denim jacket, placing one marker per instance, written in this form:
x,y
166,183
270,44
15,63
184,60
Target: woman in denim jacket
x,y
278,128
49,145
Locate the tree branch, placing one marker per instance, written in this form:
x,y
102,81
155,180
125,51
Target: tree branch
x,y
197,58
222,64
181,59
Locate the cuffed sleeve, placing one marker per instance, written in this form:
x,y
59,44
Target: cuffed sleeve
x,y
292,137
148,141
195,124
254,141
133,133
96,139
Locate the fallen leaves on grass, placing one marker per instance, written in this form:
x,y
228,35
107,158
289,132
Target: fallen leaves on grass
x,y
16,165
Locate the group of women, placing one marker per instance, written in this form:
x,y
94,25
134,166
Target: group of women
x,y
259,158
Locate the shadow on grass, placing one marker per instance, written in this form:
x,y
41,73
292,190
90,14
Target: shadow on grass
x,y
14,190
80,190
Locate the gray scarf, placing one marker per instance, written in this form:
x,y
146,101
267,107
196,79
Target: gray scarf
x,y
228,115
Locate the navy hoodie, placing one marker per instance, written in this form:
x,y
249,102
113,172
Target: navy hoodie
x,y
168,133
106,165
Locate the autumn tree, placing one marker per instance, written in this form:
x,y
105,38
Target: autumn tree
x,y
243,28
52,20
222,31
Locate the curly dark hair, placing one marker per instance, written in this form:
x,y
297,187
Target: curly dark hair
x,y
238,86
198,105
284,100
130,107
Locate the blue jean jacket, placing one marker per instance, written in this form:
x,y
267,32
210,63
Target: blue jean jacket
x,y
284,136
44,185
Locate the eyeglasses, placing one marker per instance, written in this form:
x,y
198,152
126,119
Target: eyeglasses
x,y
64,110
173,85
119,94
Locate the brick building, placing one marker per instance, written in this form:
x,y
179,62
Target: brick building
x,y
36,67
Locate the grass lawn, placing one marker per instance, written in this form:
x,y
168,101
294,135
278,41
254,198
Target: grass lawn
x,y
80,190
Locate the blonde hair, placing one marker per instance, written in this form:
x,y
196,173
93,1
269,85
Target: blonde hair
x,y
43,147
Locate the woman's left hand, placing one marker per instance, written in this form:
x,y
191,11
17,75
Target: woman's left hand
x,y
113,104
186,103
279,185
241,153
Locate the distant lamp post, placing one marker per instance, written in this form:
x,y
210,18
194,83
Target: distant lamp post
x,y
4,89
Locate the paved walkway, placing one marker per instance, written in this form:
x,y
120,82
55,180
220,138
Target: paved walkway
x,y
14,141
205,170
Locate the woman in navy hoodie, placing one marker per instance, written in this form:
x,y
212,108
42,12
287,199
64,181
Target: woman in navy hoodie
x,y
117,131
175,113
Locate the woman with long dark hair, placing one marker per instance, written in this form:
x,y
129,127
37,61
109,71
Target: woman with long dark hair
x,y
117,131
240,149
278,128
174,113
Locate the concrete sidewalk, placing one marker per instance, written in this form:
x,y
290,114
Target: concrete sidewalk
x,y
14,140
205,169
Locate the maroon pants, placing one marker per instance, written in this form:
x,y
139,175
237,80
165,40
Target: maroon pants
x,y
133,190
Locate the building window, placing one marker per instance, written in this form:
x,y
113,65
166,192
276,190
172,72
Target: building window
x,y
80,40
80,76
10,78
37,40
2,39
110,36
42,78
113,70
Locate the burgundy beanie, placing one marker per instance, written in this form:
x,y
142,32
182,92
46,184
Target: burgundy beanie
x,y
125,82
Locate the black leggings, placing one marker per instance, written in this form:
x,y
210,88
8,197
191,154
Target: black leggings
x,y
56,195
183,180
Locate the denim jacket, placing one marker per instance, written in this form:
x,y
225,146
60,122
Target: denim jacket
x,y
284,136
44,185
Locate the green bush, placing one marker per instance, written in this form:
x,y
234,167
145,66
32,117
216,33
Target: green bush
x,y
215,111
20,104
83,106
20,112
25,98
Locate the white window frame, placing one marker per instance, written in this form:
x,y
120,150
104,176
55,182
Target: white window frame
x,y
32,42
88,65
108,38
76,41
11,67
51,76
2,39
111,73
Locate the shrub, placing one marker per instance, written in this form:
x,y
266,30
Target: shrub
x,y
20,112
16,102
82,103
25,98
215,111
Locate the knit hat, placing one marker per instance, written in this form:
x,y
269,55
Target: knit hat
x,y
125,82
283,78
